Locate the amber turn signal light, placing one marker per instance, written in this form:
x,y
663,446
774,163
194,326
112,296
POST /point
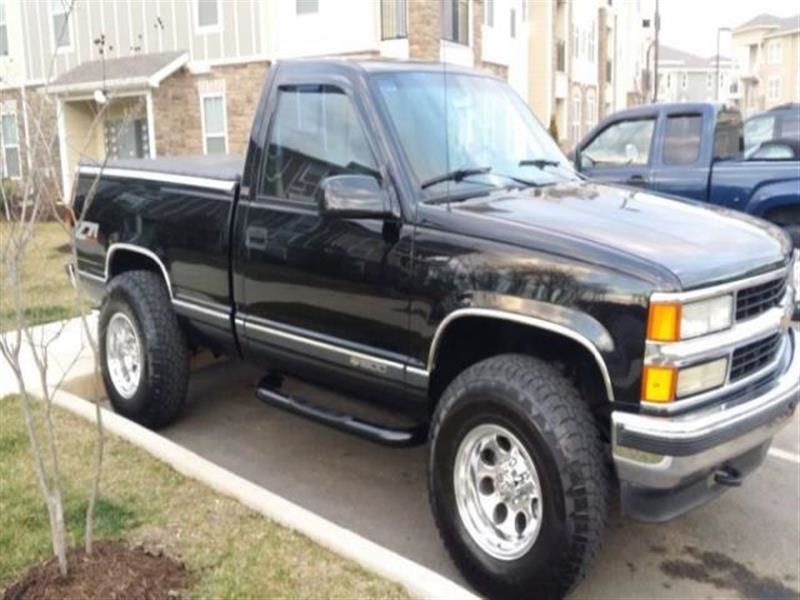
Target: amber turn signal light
x,y
664,322
658,383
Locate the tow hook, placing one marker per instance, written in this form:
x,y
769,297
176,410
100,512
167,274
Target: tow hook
x,y
729,476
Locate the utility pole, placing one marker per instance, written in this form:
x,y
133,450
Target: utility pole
x,y
655,59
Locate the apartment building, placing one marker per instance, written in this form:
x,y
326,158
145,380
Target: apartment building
x,y
685,77
173,77
585,59
767,48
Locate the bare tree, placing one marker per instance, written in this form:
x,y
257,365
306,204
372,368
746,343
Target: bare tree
x,y
26,348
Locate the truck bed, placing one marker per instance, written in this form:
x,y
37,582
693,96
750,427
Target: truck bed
x,y
224,167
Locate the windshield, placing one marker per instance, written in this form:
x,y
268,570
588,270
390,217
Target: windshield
x,y
448,122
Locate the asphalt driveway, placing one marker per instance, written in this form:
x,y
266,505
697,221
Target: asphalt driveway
x,y
745,544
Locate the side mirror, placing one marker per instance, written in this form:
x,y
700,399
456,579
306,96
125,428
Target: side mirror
x,y
354,197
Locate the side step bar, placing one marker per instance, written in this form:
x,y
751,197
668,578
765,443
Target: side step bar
x,y
381,434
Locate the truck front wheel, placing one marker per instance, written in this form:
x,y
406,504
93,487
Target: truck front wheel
x,y
143,353
518,478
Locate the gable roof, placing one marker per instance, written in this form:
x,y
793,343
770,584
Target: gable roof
x,y
672,57
769,21
136,71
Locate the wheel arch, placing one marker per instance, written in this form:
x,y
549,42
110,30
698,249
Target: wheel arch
x,y
123,257
579,331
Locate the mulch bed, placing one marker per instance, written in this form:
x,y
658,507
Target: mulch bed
x,y
112,571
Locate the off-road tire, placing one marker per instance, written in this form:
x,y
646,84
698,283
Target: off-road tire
x,y
160,395
543,409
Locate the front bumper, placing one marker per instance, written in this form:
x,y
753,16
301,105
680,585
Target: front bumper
x,y
669,465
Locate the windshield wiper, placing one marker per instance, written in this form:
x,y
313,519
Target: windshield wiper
x,y
455,175
539,162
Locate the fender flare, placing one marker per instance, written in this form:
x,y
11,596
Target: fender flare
x,y
602,339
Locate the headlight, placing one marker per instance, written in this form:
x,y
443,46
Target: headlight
x,y
706,316
693,380
670,322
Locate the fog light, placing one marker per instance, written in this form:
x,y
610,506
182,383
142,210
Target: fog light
x,y
700,378
658,384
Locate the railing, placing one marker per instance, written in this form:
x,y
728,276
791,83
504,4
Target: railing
x,y
394,19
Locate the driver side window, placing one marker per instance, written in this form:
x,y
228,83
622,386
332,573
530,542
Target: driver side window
x,y
315,133
621,144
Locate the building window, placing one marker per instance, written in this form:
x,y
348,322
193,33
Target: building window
x,y
591,109
207,14
669,80
3,30
10,142
576,41
575,127
684,81
59,12
127,138
774,88
592,42
524,10
394,19
774,51
709,81
307,7
215,130
455,21
513,23
488,16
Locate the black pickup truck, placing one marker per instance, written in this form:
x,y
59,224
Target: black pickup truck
x,y
408,234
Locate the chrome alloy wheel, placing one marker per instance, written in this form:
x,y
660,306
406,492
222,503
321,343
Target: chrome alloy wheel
x,y
497,492
123,355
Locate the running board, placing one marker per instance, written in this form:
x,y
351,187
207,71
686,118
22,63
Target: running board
x,y
381,434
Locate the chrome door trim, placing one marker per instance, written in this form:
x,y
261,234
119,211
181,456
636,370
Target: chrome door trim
x,y
492,313
271,333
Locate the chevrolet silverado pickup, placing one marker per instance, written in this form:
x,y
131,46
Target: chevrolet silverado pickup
x,y
408,234
696,151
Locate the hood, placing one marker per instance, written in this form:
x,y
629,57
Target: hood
x,y
699,244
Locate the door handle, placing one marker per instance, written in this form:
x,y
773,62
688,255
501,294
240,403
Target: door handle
x,y
636,179
255,238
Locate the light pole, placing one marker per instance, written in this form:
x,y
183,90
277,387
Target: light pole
x,y
716,87
655,59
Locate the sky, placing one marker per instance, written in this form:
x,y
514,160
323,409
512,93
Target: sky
x,y
691,25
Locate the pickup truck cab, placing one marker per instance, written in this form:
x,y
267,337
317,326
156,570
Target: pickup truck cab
x,y
695,151
409,234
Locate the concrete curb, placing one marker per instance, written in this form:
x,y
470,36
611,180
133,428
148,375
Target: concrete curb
x,y
419,581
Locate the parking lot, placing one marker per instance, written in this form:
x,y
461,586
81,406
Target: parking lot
x,y
746,544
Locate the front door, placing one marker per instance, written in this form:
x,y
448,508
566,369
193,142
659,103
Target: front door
x,y
321,295
620,153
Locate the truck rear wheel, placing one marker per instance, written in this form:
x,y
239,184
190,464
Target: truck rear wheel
x,y
518,478
143,353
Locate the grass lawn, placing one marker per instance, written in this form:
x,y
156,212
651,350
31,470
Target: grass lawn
x,y
231,551
47,290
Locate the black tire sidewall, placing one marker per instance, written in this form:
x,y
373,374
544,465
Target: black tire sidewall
x,y
487,404
119,301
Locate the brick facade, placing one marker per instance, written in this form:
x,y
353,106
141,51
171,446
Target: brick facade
x,y
177,114
424,29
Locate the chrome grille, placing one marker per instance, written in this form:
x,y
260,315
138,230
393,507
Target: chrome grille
x,y
754,356
754,300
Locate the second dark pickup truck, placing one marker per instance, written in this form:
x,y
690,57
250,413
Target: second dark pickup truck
x,y
410,235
